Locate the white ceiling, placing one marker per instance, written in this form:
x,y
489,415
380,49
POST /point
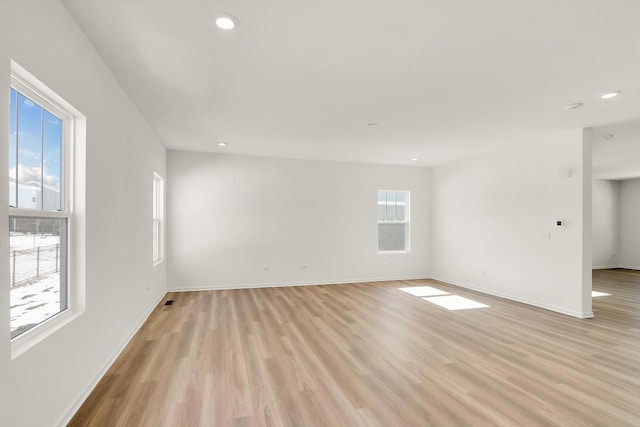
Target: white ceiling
x,y
302,79
616,151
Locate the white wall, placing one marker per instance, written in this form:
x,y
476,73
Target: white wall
x,y
630,224
606,223
488,214
616,228
231,216
42,386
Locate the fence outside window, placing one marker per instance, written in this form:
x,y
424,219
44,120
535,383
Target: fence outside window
x,y
31,264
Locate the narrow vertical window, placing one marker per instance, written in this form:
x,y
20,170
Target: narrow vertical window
x,y
39,215
393,221
158,214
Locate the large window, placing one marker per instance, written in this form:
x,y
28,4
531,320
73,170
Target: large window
x,y
40,211
158,214
393,221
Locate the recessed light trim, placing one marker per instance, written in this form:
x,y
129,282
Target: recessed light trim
x,y
373,125
226,22
414,159
610,94
222,144
573,106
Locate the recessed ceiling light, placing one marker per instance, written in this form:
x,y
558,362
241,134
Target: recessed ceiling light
x,y
610,95
607,136
226,22
414,159
372,125
222,144
573,106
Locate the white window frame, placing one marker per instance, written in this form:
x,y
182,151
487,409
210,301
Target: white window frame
x,y
158,219
406,221
72,205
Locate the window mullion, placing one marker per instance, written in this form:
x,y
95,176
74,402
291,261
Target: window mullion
x,y
395,206
17,147
386,206
65,171
41,201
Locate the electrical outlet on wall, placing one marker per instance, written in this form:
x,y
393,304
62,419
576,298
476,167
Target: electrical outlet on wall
x,y
545,235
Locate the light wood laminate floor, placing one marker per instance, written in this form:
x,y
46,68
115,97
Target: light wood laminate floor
x,y
370,355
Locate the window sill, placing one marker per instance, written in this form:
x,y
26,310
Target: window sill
x,y
39,333
393,252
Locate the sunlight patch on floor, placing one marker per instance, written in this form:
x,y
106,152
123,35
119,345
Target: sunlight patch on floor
x,y
455,302
442,298
423,291
599,294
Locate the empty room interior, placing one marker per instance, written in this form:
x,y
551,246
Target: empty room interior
x,y
320,213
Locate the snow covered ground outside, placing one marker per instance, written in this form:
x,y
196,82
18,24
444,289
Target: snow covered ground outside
x,y
28,241
33,303
33,299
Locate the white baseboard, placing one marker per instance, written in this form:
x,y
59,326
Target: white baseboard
x,y
625,266
288,284
604,267
629,267
74,408
561,310
557,309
